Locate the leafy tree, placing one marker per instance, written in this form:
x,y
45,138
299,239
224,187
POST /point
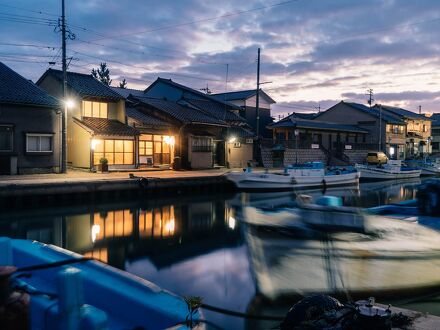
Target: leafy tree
x,y
102,74
123,84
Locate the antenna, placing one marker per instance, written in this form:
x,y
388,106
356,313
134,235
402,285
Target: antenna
x,y
420,109
206,89
370,97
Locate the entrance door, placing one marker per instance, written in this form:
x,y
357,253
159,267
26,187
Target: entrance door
x,y
329,142
218,153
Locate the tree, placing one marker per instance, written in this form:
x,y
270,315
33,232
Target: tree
x,y
102,74
123,84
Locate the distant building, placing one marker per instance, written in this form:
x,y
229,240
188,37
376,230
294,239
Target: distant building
x,y
29,126
435,132
96,125
246,100
386,130
418,130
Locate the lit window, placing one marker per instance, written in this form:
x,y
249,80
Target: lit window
x,y
95,109
39,142
6,136
117,152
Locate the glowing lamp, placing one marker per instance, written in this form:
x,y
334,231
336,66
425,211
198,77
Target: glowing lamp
x,y
95,232
94,143
169,140
69,103
232,139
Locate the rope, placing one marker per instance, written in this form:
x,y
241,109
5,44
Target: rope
x,y
243,315
53,264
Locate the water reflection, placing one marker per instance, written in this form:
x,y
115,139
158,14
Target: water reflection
x,y
199,246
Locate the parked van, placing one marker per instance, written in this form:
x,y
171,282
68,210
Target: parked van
x,y
376,157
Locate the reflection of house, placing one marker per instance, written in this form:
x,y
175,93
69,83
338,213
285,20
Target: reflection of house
x,y
96,124
435,132
418,130
247,101
29,126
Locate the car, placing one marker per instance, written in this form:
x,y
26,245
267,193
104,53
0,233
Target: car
x,y
376,157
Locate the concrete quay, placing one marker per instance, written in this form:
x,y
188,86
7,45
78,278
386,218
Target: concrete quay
x,y
78,186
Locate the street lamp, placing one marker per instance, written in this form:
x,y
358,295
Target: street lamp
x,y
296,145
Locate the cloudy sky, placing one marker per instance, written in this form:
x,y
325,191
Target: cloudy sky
x,y
314,52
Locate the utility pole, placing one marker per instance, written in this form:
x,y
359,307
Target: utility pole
x,y
420,109
370,96
257,103
64,112
380,127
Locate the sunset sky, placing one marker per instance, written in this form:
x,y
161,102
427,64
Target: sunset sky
x,y
315,52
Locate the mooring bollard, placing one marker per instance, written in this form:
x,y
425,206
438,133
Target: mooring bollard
x,y
70,291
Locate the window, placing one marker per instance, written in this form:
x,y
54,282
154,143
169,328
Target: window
x,y
201,144
157,146
435,145
95,109
6,136
39,142
117,152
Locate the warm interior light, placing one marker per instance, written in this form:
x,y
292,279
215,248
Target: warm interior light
x,y
231,222
169,140
70,103
95,232
94,143
169,226
232,139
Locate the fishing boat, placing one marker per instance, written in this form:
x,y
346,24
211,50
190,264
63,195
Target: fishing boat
x,y
428,167
71,292
392,170
389,258
300,176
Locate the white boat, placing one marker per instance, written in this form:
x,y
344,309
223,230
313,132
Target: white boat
x,y
390,171
308,175
390,257
429,167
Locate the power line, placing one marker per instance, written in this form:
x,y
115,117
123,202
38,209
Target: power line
x,y
227,15
28,45
30,10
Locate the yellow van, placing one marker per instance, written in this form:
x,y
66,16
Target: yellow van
x,y
376,157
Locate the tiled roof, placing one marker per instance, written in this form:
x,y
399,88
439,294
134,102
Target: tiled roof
x,y
192,91
15,89
181,113
125,92
216,109
240,95
144,118
104,126
240,132
390,118
401,112
83,84
435,119
294,123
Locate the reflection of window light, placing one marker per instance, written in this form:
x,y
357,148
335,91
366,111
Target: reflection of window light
x,y
169,226
231,222
95,232
392,151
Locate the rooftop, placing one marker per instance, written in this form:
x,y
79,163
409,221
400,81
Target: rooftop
x,y
15,89
143,118
125,92
240,95
104,126
179,112
316,124
401,112
83,84
387,117
216,109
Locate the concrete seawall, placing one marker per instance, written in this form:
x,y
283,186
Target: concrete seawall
x,y
30,193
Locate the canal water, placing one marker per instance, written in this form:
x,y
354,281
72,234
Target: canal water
x,y
202,246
